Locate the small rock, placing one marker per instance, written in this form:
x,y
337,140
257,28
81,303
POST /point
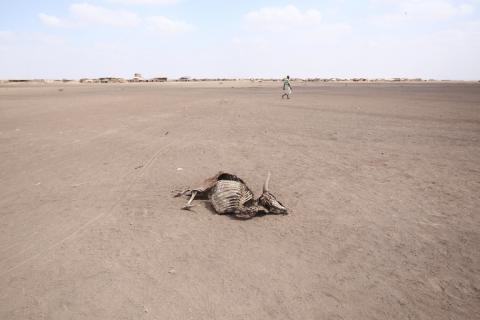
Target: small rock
x,y
179,169
172,271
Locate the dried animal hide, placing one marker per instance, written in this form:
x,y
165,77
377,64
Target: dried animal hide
x,y
228,194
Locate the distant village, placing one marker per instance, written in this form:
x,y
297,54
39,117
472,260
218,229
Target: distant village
x,y
137,77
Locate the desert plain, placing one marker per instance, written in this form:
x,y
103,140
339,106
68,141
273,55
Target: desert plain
x,y
382,182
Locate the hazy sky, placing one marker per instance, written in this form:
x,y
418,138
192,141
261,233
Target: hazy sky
x,y
364,38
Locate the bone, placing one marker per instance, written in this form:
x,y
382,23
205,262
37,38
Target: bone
x,y
265,185
189,205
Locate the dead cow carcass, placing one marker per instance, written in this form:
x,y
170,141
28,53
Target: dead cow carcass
x,y
228,194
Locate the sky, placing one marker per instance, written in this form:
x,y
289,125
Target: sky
x,y
72,39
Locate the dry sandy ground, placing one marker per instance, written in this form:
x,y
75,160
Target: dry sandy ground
x,y
383,184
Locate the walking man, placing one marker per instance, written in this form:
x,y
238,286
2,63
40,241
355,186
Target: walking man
x,y
287,88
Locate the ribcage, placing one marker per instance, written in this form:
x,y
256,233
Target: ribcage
x,y
229,196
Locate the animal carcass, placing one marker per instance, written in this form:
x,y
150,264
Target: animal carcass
x,y
228,194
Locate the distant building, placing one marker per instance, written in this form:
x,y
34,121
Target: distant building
x,y
110,80
158,79
184,79
137,77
